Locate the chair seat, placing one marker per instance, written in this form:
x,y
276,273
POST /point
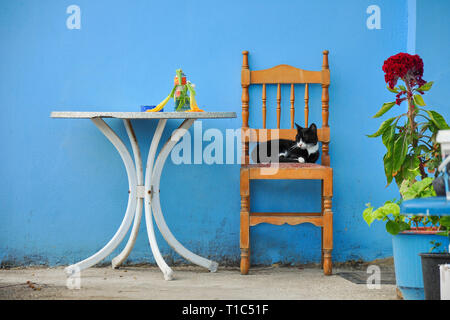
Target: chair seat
x,y
286,165
288,170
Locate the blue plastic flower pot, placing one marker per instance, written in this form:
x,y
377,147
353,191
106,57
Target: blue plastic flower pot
x,y
407,262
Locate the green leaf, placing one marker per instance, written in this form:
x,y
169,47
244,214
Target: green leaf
x,y
442,233
419,189
387,160
399,178
423,184
385,108
402,87
419,100
437,119
395,90
382,213
445,221
392,227
426,86
409,194
400,150
368,214
391,208
389,137
404,226
404,186
383,127
410,168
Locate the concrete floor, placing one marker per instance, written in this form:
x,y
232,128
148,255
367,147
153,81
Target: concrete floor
x,y
190,283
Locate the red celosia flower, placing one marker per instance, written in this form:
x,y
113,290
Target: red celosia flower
x,y
399,99
407,67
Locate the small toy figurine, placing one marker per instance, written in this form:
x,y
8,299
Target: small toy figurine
x,y
179,93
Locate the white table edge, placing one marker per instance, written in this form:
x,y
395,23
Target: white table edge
x,y
142,115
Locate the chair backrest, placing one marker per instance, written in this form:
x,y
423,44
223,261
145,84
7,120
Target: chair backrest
x,y
283,74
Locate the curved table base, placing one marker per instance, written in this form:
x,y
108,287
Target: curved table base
x,y
131,207
156,206
146,195
166,270
117,261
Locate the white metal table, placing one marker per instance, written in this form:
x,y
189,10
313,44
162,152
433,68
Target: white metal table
x,y
143,192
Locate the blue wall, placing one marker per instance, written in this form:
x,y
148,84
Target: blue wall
x,y
432,44
64,187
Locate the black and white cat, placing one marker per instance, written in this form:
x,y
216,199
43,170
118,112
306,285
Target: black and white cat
x,y
305,148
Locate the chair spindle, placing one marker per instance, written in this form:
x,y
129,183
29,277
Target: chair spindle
x,y
245,82
278,105
325,106
292,106
306,104
264,105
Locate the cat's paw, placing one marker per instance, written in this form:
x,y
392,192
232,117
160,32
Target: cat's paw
x,y
301,160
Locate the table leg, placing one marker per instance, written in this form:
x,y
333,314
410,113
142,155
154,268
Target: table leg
x,y
167,271
117,261
156,206
131,207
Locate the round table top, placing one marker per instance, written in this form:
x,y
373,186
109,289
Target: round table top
x,y
141,115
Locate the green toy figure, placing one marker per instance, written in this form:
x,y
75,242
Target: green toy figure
x,y
179,93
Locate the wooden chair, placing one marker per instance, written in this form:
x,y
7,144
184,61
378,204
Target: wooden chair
x,y
285,74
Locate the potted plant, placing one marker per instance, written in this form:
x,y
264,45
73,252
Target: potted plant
x,y
412,235
431,261
412,155
439,254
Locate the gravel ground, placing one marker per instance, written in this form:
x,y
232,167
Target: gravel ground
x,y
190,283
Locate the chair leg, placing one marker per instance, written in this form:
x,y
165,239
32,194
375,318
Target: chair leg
x,y
321,237
321,229
327,237
245,221
245,241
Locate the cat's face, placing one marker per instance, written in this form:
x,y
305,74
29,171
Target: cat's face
x,y
306,137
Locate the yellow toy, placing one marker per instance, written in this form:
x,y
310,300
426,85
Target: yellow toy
x,y
179,93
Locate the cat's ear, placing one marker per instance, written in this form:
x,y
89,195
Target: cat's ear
x,y
298,127
313,127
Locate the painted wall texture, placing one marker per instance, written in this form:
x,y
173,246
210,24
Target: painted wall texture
x,y
64,187
432,41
